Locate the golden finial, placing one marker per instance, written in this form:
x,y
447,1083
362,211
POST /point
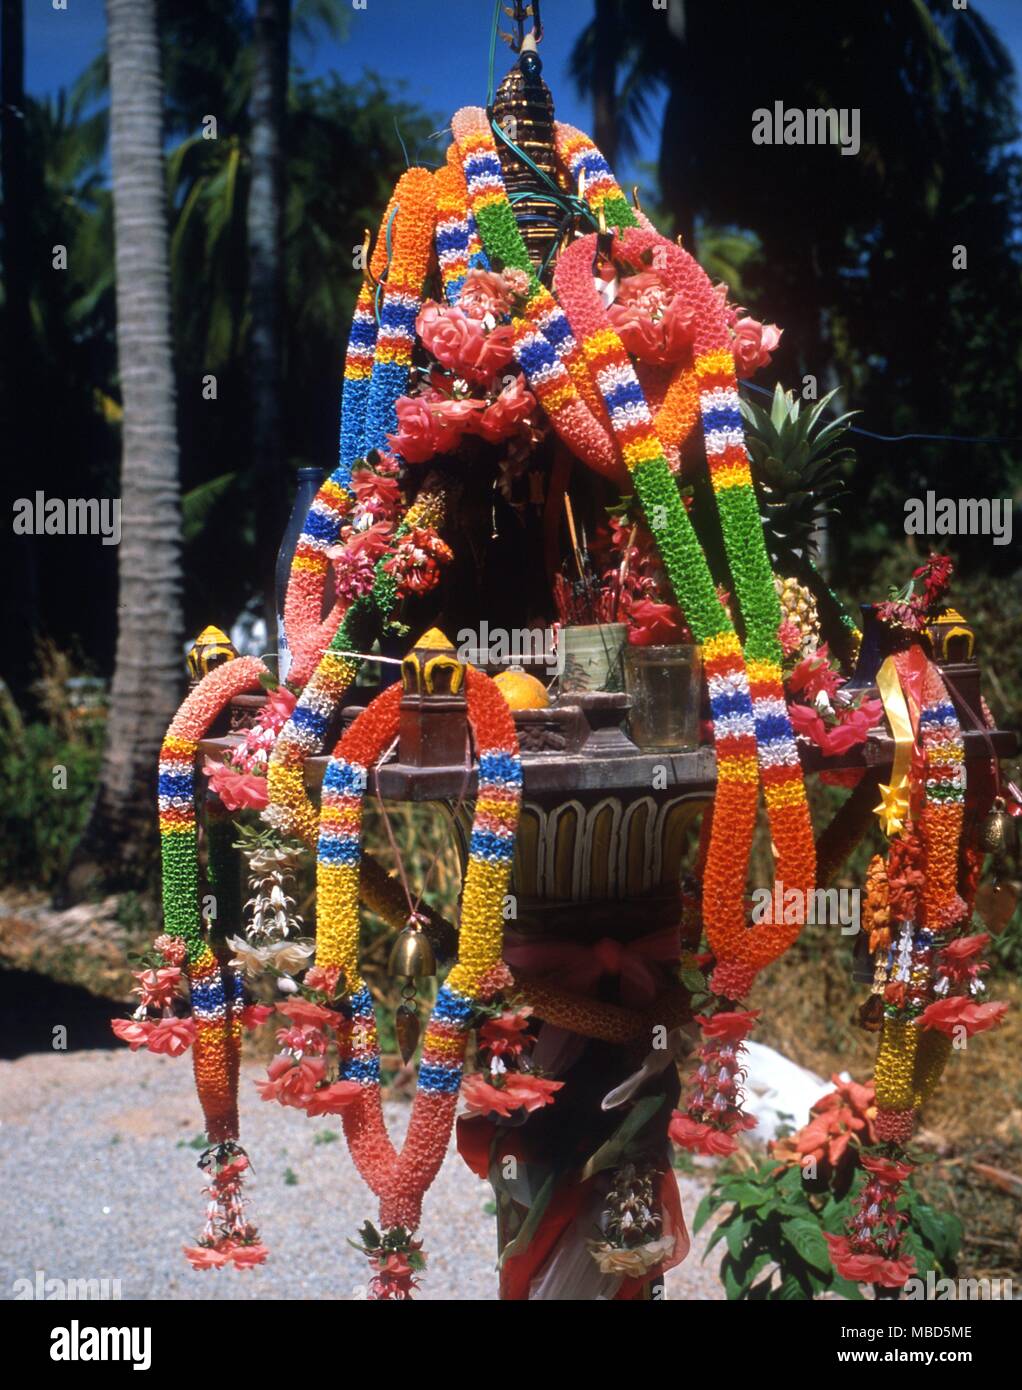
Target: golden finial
x,y
211,648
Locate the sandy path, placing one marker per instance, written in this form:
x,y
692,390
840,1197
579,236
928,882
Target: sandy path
x,y
99,1181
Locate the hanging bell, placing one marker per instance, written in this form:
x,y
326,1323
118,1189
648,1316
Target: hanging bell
x,y
412,955
406,1025
871,1014
996,830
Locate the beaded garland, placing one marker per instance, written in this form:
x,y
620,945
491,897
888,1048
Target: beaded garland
x,y
755,721
401,1179
216,1009
290,809
779,765
308,634
545,347
413,224
910,1059
458,248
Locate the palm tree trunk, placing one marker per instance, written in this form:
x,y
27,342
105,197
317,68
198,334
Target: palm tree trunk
x,y
120,838
266,283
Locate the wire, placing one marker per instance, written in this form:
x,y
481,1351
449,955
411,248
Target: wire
x,y
386,268
898,438
404,147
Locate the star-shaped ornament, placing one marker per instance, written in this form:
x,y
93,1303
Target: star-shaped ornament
x,y
893,808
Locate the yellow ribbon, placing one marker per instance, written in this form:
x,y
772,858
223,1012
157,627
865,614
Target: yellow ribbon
x,y
894,798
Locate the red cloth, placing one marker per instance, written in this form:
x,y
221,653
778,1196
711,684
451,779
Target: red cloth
x,y
577,966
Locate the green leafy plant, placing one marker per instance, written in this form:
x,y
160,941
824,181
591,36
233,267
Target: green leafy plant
x,y
774,1228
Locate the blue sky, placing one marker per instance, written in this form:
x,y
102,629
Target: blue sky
x,y
442,59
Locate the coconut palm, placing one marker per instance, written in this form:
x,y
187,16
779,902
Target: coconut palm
x,y
148,669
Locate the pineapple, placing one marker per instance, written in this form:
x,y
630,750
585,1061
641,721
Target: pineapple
x,y
796,468
797,461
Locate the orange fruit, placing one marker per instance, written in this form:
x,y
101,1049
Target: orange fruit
x,y
522,691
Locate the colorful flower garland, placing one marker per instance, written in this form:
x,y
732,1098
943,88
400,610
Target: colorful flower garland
x,y
376,372
544,345
777,753
401,1179
308,634
755,707
458,248
216,1010
291,810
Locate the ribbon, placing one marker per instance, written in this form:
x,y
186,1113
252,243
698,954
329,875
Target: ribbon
x,y
894,798
578,966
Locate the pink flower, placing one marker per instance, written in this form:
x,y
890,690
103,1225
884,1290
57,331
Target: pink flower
x,y
731,1027
790,637
134,1031
965,950
430,424
171,948
237,790
376,493
513,406
332,1100
172,1036
516,280
653,624
247,1256
753,345
157,987
484,292
291,1082
307,1014
520,1089
505,1035
206,1256
654,323
813,674
254,1015
462,344
699,1137
279,706
302,1040
866,1268
372,541
323,979
534,1092
947,1015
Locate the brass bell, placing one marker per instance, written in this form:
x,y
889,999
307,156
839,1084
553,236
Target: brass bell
x,y
996,830
412,956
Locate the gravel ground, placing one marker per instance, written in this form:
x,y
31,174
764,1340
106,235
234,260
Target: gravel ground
x,y
97,1182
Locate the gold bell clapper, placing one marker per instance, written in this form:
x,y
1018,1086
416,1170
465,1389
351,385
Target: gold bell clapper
x,y
411,957
997,830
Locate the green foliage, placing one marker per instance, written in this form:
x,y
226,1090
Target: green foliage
x,y
799,466
39,824
773,1233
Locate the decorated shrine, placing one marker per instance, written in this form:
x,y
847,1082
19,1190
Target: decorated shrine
x,y
561,585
